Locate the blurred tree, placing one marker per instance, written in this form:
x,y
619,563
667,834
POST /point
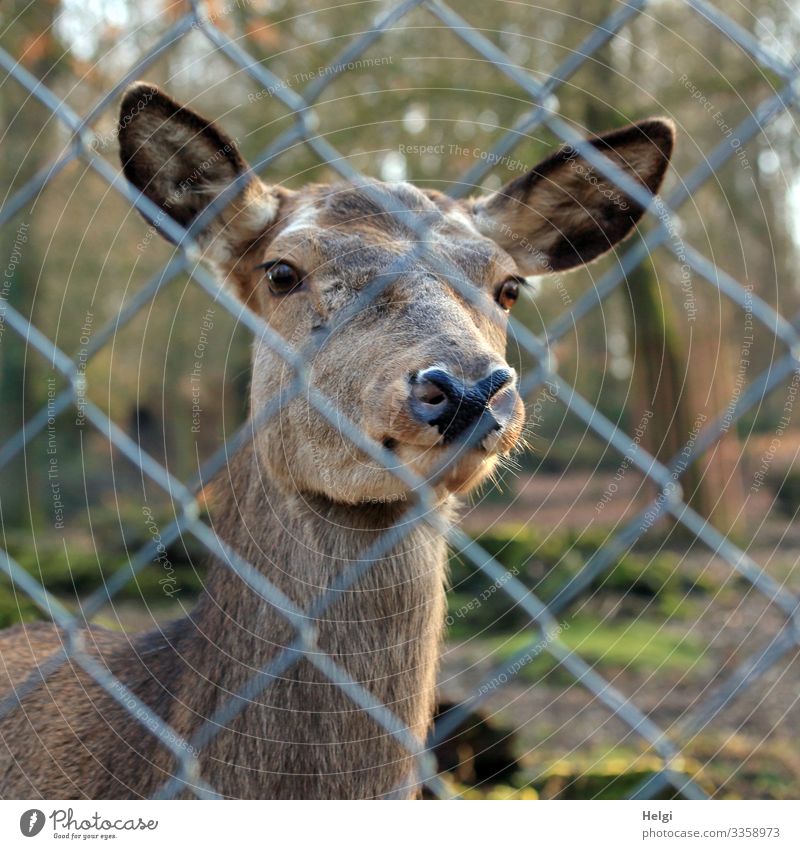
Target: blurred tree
x,y
28,35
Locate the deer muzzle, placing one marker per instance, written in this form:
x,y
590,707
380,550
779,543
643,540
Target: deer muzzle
x,y
460,410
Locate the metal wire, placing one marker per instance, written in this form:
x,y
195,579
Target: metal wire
x,y
543,621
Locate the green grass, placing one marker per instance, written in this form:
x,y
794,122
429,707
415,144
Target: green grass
x,y
636,645
545,563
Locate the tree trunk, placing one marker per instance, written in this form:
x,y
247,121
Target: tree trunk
x,y
669,381
31,41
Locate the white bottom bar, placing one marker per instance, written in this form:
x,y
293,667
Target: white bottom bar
x,y
400,825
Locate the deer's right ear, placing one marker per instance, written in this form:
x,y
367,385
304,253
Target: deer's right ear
x,y
182,162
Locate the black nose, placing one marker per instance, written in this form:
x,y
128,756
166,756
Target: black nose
x,y
441,400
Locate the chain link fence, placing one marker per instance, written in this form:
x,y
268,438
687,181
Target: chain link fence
x,y
544,638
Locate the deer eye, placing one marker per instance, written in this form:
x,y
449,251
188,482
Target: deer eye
x,y
508,293
282,278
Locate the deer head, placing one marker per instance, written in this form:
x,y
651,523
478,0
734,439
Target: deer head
x,y
420,367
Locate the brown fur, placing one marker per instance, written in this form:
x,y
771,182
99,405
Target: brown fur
x,y
301,502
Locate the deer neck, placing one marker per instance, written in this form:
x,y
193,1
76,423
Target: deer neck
x,y
390,617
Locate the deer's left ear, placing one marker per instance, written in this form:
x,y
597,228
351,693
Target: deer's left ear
x,y
564,213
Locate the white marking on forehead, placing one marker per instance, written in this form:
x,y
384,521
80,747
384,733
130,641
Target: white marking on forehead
x,y
261,211
306,218
461,218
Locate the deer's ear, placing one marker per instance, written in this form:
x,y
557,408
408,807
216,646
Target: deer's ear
x,y
564,213
182,162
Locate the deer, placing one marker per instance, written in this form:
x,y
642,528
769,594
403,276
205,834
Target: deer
x,y
416,369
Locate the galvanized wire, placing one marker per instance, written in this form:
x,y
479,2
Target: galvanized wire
x,y
543,616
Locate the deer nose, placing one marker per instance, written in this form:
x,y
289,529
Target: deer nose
x,y
447,403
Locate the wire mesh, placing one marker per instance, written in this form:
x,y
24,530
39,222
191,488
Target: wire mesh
x,y
544,617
